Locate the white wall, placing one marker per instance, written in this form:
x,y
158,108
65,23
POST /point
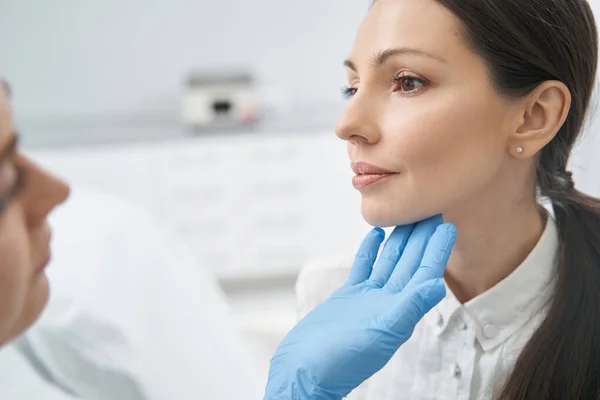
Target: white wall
x,y
78,57
584,161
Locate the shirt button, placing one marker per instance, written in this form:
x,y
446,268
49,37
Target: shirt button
x,y
463,326
490,331
454,370
440,319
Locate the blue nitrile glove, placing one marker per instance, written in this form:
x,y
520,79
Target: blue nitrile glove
x,y
356,331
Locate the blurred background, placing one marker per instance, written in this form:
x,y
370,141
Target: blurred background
x,y
214,116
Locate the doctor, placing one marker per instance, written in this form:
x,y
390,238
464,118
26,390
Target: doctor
x,y
130,316
330,352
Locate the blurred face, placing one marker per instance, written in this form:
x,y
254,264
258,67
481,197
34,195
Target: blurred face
x,y
27,195
426,130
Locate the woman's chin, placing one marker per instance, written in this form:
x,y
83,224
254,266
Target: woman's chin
x,y
38,300
385,218
378,222
382,219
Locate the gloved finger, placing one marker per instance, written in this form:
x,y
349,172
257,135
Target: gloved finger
x,y
413,253
391,253
365,257
410,307
436,256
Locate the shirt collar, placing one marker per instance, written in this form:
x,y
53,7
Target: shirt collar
x,y
505,308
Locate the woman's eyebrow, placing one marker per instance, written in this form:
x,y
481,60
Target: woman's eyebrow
x,y
380,57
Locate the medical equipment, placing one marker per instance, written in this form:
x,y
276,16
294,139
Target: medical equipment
x,y
355,332
220,99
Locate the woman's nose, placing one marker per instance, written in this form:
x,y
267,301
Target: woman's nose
x,y
43,192
53,192
358,123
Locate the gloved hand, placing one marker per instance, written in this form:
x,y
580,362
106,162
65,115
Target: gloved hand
x,y
356,331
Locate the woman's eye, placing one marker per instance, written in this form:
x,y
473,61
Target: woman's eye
x,y
18,181
409,84
348,92
405,84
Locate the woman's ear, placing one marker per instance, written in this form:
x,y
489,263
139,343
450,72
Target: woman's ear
x,y
543,113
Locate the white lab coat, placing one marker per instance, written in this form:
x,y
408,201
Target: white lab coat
x,y
131,317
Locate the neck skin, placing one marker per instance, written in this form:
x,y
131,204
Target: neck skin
x,y
497,229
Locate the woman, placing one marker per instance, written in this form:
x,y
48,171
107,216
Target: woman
x,y
28,194
469,108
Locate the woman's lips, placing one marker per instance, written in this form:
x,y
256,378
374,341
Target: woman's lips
x,y
362,181
45,261
44,235
367,174
363,168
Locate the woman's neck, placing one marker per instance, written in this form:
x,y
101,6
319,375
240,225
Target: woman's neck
x,y
493,239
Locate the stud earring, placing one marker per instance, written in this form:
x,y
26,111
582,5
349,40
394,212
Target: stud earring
x,y
519,149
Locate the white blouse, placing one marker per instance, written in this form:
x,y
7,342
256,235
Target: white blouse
x,y
458,351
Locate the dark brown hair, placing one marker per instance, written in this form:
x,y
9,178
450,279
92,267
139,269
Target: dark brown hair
x,y
524,43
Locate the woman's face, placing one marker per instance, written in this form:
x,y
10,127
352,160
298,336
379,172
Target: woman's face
x,y
27,195
423,106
